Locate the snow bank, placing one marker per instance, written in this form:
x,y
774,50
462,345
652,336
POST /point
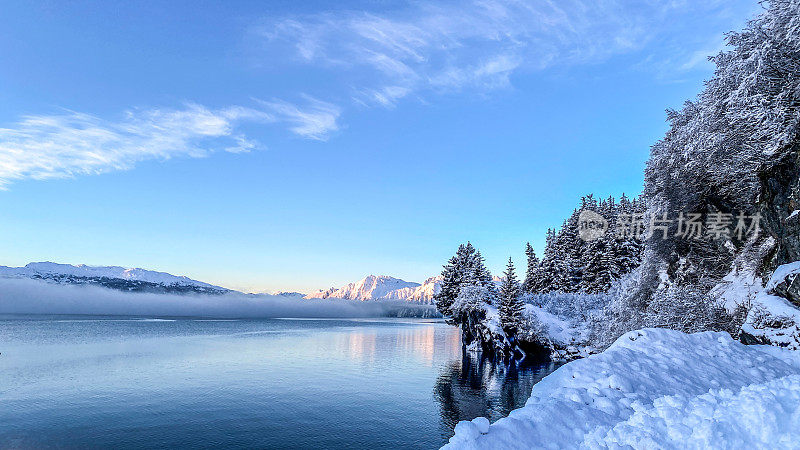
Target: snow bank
x,y
657,388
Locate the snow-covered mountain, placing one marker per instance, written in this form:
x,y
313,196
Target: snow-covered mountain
x,y
421,294
372,287
140,280
383,287
114,277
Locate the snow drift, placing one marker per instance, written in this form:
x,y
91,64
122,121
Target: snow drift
x,y
657,388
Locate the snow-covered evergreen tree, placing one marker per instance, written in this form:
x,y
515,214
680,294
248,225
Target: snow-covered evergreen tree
x,y
465,268
452,278
573,265
511,306
531,269
478,274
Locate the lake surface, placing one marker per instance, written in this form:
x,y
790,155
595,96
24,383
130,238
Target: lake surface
x,y
144,382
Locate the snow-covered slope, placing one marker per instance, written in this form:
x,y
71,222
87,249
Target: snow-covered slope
x,y
384,287
657,388
128,279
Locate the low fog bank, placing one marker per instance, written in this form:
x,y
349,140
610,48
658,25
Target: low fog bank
x,y
25,296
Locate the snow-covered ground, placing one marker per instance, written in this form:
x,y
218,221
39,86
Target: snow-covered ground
x,y
657,388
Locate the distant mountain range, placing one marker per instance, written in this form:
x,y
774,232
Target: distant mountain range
x,y
113,277
372,287
382,287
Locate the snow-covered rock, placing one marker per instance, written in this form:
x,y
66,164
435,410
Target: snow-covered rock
x,y
487,335
785,282
481,329
122,278
557,331
560,324
657,388
773,318
384,287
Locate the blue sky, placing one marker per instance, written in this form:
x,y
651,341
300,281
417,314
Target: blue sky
x,y
299,145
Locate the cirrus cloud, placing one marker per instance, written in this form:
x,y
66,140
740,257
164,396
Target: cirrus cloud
x,y
72,143
426,48
316,120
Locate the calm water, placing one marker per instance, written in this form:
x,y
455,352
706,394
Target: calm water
x,y
135,382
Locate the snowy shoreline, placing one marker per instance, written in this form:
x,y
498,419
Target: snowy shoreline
x,y
657,388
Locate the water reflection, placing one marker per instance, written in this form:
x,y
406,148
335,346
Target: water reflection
x,y
418,341
475,387
361,345
427,343
244,384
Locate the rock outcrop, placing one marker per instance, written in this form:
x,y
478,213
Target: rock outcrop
x,y
779,205
774,318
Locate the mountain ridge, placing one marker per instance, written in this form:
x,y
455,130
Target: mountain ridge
x,y
131,279
383,287
134,279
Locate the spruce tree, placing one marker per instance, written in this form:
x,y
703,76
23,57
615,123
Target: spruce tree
x,y
466,268
482,276
451,283
531,270
511,307
608,267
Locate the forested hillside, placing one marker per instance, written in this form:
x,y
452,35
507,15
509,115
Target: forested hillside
x,y
719,212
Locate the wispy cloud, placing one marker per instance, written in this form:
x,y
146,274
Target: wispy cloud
x,y
414,50
700,58
72,143
315,120
479,45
